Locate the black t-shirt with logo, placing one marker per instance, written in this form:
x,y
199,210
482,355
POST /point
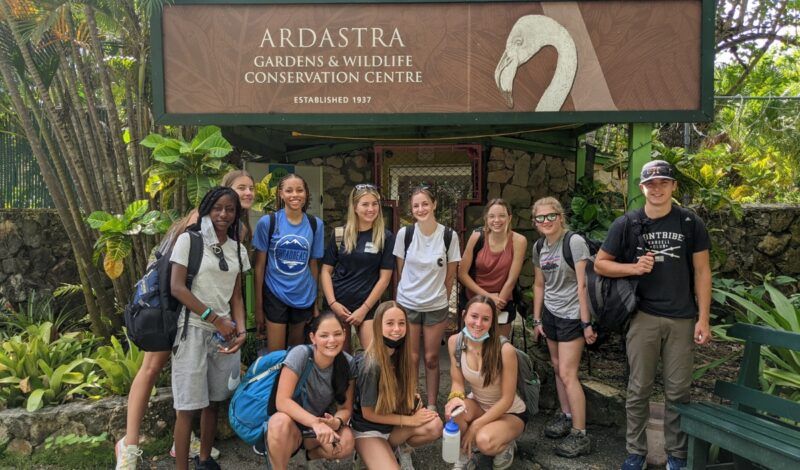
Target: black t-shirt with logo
x,y
667,290
355,274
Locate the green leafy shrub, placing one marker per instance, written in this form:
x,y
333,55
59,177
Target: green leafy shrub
x,y
118,365
767,306
38,309
36,371
594,208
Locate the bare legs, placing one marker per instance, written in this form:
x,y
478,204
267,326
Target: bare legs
x,y
566,357
139,395
276,335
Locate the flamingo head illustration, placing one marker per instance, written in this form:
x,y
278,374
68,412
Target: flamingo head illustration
x,y
528,36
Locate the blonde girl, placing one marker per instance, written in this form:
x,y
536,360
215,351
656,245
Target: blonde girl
x,y
286,269
494,270
493,414
561,315
387,412
356,271
427,272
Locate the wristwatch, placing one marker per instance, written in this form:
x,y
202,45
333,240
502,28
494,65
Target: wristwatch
x,y
536,323
585,324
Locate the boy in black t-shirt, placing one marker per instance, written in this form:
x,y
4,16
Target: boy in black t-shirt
x,y
674,289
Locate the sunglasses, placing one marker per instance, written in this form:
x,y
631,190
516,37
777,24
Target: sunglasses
x,y
548,217
365,186
223,265
657,171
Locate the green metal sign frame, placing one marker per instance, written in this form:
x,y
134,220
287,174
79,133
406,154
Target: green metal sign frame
x,y
704,114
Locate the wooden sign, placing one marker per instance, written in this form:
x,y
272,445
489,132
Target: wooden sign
x,y
433,63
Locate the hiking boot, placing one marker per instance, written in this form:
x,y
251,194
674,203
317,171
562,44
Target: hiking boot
x,y
560,426
504,459
577,443
403,454
194,449
209,464
127,456
634,462
675,463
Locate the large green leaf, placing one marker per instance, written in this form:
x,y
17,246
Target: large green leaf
x,y
168,152
136,209
196,187
34,401
209,140
754,309
114,225
97,218
118,249
784,307
152,141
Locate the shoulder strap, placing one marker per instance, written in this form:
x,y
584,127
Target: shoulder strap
x,y
635,228
459,347
312,221
195,257
448,237
566,250
273,220
477,249
299,388
539,245
338,236
409,236
687,228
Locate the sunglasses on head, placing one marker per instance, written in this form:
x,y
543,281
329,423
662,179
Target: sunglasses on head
x,y
657,171
365,186
223,265
549,217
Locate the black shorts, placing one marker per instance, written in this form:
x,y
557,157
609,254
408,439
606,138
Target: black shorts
x,y
278,312
511,308
560,329
523,416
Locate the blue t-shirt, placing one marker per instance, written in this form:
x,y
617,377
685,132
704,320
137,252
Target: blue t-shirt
x,y
290,250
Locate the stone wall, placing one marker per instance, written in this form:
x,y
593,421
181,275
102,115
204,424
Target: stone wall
x,y
765,240
34,253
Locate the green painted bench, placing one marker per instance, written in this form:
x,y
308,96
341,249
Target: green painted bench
x,y
749,427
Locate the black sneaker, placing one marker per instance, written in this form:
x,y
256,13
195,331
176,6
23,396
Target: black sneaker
x,y
560,426
574,445
209,464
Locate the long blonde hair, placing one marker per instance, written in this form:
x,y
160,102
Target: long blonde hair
x,y
397,384
351,226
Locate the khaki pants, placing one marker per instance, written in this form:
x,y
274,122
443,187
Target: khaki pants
x,y
649,339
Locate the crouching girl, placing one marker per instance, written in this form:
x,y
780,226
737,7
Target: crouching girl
x,y
388,412
319,423
494,415
204,371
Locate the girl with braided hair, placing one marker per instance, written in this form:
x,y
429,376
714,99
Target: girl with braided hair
x,y
206,371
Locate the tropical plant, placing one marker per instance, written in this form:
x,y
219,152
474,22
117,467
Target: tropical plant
x,y
117,233
119,366
40,308
36,371
593,209
185,171
766,305
265,194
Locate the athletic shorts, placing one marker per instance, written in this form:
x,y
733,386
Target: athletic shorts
x,y
373,433
200,373
560,329
427,318
278,312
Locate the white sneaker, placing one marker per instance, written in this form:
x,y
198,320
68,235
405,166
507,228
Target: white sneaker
x,y
194,449
127,456
465,462
403,454
504,459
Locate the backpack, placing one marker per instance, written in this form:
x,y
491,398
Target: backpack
x,y
516,294
151,317
448,237
312,221
253,402
528,383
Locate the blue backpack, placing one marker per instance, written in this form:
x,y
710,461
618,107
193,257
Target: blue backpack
x,y
253,401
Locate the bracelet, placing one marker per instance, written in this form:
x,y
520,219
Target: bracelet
x,y
206,313
334,303
455,394
536,322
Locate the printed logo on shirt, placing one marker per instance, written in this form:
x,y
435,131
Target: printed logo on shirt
x,y
664,245
370,248
291,255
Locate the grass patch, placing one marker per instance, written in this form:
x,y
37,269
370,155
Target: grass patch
x,y
157,447
76,457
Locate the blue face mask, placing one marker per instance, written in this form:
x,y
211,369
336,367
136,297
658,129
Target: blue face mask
x,y
472,338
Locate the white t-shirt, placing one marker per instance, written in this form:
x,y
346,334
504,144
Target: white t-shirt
x,y
211,285
421,285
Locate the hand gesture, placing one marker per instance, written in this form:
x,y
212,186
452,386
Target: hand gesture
x,y
357,316
645,264
340,310
233,345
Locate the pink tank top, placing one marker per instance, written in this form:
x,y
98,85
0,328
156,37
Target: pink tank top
x,y
487,396
491,269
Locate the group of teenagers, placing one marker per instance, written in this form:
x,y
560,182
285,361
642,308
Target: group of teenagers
x,y
370,403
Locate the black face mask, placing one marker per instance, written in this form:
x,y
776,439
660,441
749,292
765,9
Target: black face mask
x,y
392,343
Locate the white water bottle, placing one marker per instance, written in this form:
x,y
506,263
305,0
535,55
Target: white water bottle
x,y
451,442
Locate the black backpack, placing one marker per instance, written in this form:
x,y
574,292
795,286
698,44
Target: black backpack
x,y
448,237
151,317
517,297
